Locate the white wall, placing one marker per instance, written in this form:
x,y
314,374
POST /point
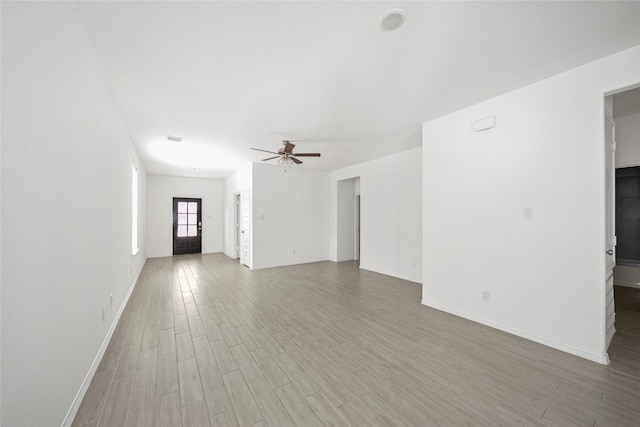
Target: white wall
x,y
290,213
546,274
161,190
66,212
390,213
628,141
624,275
236,183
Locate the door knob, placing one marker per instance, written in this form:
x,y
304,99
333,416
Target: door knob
x,y
610,252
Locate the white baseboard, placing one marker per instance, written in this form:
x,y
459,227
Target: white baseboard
x,y
75,405
627,284
598,358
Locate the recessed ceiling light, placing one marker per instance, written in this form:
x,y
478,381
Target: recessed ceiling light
x,y
392,19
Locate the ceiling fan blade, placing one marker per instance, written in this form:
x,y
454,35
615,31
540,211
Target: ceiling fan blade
x,y
270,158
288,147
296,161
306,154
272,152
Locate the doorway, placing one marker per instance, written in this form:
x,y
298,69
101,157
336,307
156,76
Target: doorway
x,y
187,226
348,220
626,113
622,113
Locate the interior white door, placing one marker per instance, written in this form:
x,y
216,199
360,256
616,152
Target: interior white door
x,y
357,227
245,209
610,250
236,218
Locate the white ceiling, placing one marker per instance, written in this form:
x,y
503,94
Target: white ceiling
x,y
227,76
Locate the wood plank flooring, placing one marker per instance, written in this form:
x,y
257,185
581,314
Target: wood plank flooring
x,y
204,341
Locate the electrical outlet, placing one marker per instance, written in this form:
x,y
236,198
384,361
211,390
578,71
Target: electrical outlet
x,y
104,312
414,264
294,251
486,295
111,300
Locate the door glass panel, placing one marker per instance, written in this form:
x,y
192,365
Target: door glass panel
x,y
193,218
182,207
193,230
182,219
193,207
182,231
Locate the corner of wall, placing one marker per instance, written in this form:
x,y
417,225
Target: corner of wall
x,y
602,359
75,404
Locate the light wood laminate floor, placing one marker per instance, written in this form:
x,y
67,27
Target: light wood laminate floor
x,y
204,341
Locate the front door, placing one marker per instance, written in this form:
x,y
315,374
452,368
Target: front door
x,y
187,226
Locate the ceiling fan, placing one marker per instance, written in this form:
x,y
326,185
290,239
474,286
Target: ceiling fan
x,y
286,155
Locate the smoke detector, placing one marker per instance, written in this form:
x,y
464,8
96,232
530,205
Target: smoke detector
x,y
392,19
174,138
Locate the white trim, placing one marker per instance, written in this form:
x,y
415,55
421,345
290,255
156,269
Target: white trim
x,y
611,333
627,165
627,284
598,358
623,89
75,405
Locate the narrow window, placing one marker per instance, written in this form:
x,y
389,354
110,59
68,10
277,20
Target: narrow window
x,y
134,209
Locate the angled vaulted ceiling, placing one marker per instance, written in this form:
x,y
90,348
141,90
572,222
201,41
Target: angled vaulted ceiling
x,y
227,76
